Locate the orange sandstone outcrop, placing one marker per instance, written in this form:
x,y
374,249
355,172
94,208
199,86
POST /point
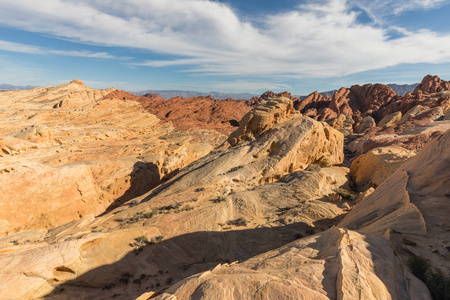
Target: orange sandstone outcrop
x,y
231,204
67,151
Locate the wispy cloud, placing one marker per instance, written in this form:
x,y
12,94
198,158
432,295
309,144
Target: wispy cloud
x,y
317,39
24,48
250,86
380,9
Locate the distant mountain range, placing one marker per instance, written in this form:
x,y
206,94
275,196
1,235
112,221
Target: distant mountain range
x,y
402,89
15,87
167,94
399,89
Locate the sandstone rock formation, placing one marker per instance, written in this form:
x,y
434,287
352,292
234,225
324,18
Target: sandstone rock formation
x,y
78,158
409,210
162,213
342,123
378,102
390,120
412,205
263,117
432,84
195,113
413,134
255,191
358,101
331,265
373,167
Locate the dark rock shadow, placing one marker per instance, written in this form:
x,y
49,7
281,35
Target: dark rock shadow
x,y
144,177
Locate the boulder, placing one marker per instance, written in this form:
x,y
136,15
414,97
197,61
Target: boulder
x,y
342,123
390,120
364,125
373,167
263,117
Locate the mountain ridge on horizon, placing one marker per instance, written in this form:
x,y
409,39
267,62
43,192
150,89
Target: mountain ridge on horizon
x,y
399,89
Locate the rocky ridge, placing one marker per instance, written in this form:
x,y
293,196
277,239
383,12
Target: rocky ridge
x,y
74,153
192,113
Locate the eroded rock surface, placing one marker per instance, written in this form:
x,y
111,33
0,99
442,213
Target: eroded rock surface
x,y
255,217
412,204
66,152
192,113
331,265
230,205
373,167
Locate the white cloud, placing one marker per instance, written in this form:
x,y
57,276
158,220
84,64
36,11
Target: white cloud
x,y
380,10
24,48
206,37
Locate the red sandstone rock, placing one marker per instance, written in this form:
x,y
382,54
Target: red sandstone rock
x,y
192,113
432,84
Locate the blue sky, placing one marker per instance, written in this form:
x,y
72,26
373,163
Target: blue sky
x,y
226,46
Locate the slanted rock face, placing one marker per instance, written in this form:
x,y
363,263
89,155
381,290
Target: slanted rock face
x,y
372,168
38,196
413,202
390,120
263,117
340,256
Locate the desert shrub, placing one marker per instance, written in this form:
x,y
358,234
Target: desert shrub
x,y
344,193
219,199
141,241
125,278
156,239
419,267
437,283
238,222
171,206
234,169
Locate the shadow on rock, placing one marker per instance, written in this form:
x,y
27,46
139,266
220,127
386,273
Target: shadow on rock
x,y
152,266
